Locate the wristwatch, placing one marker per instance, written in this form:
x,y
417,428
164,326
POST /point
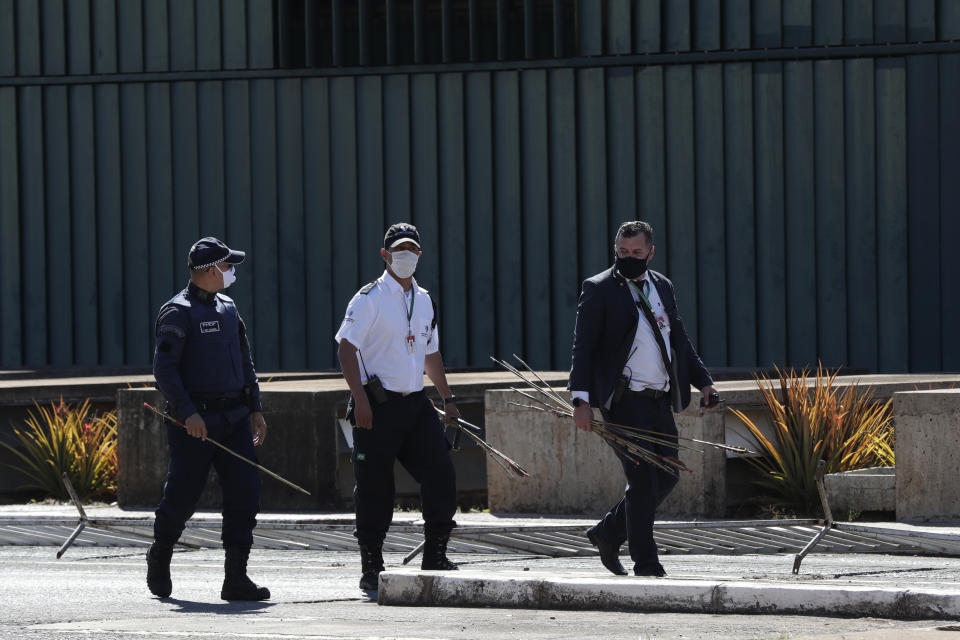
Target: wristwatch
x,y
449,400
577,402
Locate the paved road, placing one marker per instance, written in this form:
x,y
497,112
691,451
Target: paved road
x,y
100,593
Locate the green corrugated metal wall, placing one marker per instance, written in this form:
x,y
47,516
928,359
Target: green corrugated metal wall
x,y
805,208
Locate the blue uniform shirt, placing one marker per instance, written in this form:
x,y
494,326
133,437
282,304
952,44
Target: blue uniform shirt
x,y
202,347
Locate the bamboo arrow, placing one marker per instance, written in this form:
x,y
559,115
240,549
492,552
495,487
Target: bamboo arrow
x,y
232,452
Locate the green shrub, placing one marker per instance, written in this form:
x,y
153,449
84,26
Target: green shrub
x,y
71,439
847,429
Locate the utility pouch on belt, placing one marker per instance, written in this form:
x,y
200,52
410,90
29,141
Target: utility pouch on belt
x,y
375,390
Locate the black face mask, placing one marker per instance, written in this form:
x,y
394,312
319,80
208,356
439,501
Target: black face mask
x,y
630,267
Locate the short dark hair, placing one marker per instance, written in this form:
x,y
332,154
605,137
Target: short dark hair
x,y
633,228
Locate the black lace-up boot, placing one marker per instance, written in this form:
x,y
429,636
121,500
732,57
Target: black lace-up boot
x,y
371,561
158,569
236,584
435,554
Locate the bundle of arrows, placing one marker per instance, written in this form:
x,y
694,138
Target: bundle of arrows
x,y
625,440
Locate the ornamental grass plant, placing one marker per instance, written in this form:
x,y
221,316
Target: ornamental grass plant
x,y
845,427
72,439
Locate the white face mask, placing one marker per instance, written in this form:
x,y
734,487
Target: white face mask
x,y
229,276
404,263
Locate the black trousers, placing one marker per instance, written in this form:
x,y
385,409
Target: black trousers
x,y
190,460
406,429
631,519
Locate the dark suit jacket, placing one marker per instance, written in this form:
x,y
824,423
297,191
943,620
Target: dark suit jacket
x,y
607,319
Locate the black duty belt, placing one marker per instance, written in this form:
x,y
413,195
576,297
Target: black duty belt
x,y
649,393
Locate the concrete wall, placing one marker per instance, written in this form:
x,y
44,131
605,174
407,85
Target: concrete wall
x,y
928,455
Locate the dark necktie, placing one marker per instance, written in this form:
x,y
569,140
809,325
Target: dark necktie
x,y
643,289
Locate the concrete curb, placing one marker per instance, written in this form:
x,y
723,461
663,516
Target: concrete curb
x,y
522,590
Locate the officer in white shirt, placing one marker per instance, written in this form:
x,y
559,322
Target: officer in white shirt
x,y
388,339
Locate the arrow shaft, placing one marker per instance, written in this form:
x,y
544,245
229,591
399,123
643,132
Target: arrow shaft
x,y
232,452
508,465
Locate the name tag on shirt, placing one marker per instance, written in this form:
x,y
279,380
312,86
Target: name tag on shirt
x,y
211,326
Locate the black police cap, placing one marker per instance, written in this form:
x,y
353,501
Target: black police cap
x,y
208,251
399,233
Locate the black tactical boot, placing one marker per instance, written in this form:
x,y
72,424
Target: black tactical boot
x,y
236,584
609,552
158,569
435,554
371,562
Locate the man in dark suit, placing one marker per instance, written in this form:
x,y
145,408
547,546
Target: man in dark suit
x,y
632,359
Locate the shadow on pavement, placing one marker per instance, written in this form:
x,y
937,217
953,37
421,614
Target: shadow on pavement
x,y
232,608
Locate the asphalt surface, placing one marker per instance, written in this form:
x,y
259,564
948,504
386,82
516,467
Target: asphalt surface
x,y
100,593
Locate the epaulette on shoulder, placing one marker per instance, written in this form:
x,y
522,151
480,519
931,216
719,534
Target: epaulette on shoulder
x,y
367,288
180,300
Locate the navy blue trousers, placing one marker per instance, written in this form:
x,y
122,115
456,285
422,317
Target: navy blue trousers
x,y
190,460
408,430
631,519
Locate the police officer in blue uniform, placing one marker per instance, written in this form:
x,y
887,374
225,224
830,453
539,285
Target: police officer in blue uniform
x,y
388,339
203,367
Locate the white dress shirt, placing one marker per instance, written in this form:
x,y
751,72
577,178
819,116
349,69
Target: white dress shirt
x,y
376,324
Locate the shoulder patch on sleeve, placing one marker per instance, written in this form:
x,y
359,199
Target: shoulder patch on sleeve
x,y
367,288
167,321
171,329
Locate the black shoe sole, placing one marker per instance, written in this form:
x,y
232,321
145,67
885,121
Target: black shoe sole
x,y
244,597
651,572
160,593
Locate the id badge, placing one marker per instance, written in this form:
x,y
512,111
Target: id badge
x,y
411,343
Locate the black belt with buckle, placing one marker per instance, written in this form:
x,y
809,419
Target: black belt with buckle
x,y
217,402
649,393
401,394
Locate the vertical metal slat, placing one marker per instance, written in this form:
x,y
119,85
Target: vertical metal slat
x,y
481,302
83,207
446,29
418,32
336,26
11,338
391,31
473,8
558,26
529,29
8,38
503,49
290,223
322,310
57,199
363,28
